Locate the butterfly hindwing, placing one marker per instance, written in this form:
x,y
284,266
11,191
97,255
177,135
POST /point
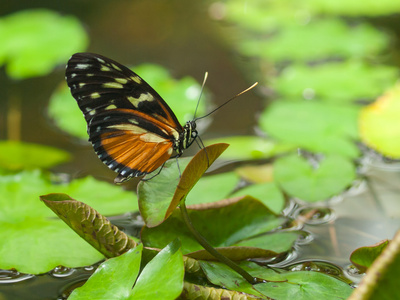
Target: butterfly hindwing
x,y
131,144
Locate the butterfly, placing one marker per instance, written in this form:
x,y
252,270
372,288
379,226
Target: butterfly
x,y
132,129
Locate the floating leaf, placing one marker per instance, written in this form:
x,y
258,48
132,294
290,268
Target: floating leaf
x,y
33,42
250,147
315,126
223,224
298,178
159,196
268,193
17,156
320,39
363,257
379,123
279,285
337,82
212,188
355,7
34,240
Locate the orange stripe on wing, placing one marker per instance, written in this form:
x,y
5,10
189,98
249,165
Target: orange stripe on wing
x,y
130,150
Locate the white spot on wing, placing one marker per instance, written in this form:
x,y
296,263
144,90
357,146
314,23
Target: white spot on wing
x,y
114,85
95,95
82,66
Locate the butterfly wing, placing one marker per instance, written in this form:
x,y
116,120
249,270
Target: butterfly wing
x,y
131,128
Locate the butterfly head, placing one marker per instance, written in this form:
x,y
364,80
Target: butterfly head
x,y
186,137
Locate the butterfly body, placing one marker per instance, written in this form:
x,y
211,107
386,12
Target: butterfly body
x,y
132,129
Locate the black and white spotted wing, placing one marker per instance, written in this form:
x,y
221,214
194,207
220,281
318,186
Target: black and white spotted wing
x,y
131,128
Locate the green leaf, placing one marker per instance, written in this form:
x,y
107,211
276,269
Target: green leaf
x,y
212,188
355,7
268,193
315,126
223,224
180,94
363,257
159,196
113,279
337,82
35,41
162,277
250,147
16,156
34,240
298,178
65,113
319,39
381,281
281,285
379,123
93,227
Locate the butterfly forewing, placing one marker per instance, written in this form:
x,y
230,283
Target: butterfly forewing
x,y
131,128
99,83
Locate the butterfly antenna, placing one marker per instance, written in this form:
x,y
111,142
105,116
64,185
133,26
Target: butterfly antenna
x,y
234,97
201,93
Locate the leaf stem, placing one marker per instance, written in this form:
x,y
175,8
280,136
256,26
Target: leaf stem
x,y
202,241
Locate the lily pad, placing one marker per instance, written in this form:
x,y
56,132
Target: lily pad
x,y
34,239
223,224
337,82
320,39
161,278
314,126
299,179
355,7
379,123
280,284
250,147
268,193
35,41
181,95
15,156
